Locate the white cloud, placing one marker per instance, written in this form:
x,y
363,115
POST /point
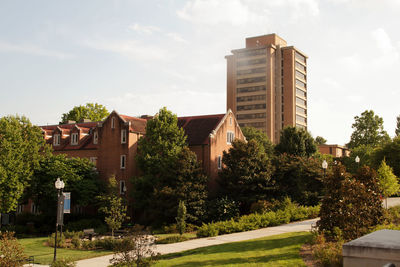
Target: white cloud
x,y
32,50
177,37
129,48
143,29
389,53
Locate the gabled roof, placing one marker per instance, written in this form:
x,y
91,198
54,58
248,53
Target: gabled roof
x,y
136,124
199,128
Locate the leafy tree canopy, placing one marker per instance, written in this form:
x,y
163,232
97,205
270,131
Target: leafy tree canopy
x,y
389,151
246,175
170,173
319,140
368,130
78,174
365,154
20,145
297,142
387,180
91,111
260,137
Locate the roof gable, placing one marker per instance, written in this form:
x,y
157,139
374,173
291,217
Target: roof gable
x,y
199,128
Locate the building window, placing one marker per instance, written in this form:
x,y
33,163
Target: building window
x,y
301,93
252,53
122,187
251,71
250,98
301,119
20,208
300,75
300,101
250,107
300,84
300,126
95,137
112,123
251,89
123,161
251,80
300,67
93,160
230,136
123,136
253,124
57,139
219,161
74,139
252,62
251,116
300,58
301,111
34,208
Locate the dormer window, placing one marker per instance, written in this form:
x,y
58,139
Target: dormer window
x,y
95,137
56,140
123,136
74,139
112,123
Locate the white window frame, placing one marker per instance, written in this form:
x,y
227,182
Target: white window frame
x,y
74,138
34,208
219,162
230,136
20,208
95,137
112,123
56,140
122,186
123,136
123,162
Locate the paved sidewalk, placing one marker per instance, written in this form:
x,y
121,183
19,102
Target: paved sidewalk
x,y
211,241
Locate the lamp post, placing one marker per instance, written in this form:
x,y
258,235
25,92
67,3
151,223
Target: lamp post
x,y
357,160
324,166
59,184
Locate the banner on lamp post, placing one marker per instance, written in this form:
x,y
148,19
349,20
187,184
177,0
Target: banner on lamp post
x,y
67,202
60,210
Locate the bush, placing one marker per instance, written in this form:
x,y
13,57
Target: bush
x,y
63,263
172,239
222,209
76,242
327,253
82,224
12,252
254,221
60,240
88,245
106,243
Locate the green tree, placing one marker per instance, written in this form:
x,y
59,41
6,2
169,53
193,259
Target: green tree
x,y
91,111
299,178
20,146
246,175
351,204
79,176
388,182
368,130
181,218
389,151
170,173
113,206
319,140
260,137
297,142
366,155
397,131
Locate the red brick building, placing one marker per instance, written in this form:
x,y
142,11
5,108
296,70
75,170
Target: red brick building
x,y
112,143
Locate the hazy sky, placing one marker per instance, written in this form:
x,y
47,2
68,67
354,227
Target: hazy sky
x,y
137,56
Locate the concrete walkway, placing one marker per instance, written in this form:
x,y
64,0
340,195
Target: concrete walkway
x,y
211,241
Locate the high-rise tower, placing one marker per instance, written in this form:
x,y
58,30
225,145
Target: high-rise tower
x,y
267,85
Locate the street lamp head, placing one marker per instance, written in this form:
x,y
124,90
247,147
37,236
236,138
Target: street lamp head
x,y
59,184
357,159
324,164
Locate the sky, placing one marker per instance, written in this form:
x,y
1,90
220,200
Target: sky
x,y
138,56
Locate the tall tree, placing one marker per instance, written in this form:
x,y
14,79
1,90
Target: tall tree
x,y
390,151
299,178
319,140
397,131
170,173
113,206
20,148
91,111
260,137
296,142
246,175
388,182
368,130
78,174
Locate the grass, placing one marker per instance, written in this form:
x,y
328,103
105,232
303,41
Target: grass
x,y
278,250
188,235
44,254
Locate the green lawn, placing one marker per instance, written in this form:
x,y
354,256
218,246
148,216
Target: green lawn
x,y
44,255
278,250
